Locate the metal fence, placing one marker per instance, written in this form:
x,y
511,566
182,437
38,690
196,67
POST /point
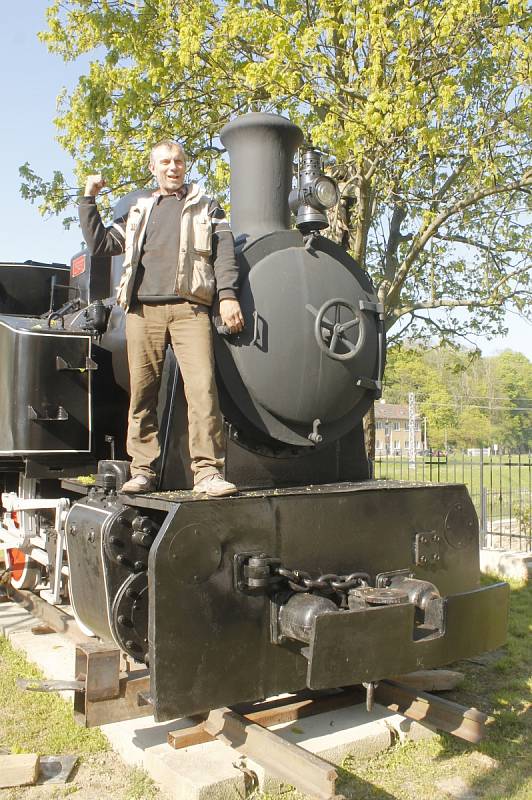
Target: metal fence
x,y
500,487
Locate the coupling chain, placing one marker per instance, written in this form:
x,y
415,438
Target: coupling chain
x,y
301,581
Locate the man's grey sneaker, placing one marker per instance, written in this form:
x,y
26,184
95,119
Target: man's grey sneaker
x,y
138,484
214,486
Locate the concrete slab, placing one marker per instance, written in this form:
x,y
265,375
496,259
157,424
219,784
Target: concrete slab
x,y
332,736
336,734
346,732
408,730
212,771
13,619
506,564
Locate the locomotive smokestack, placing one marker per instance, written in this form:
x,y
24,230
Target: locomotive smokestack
x,y
261,149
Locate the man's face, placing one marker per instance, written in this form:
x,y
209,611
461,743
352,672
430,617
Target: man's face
x,y
168,166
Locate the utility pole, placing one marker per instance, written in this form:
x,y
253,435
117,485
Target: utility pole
x,y
411,430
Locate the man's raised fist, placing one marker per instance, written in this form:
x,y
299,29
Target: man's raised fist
x,y
94,185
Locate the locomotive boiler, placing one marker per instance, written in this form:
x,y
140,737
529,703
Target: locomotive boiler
x,y
313,575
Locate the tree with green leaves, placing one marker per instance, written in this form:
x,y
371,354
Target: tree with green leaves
x,y
468,400
513,379
420,104
474,429
410,370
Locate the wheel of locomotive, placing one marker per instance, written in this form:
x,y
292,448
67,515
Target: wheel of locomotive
x,y
24,572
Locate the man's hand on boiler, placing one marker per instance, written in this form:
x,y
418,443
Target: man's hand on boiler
x,y
231,314
93,185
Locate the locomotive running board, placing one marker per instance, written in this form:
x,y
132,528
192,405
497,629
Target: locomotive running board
x,y
200,619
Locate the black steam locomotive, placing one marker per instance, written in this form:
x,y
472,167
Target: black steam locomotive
x,y
313,575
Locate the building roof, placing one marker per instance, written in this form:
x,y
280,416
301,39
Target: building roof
x,y
391,411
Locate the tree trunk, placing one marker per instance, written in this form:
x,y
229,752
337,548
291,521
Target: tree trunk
x,y
369,435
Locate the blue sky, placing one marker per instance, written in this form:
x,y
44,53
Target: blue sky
x,y
31,81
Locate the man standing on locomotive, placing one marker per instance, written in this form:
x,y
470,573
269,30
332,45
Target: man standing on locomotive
x,y
179,253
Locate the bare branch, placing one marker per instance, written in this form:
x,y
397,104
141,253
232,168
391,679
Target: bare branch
x,y
474,243
451,180
421,239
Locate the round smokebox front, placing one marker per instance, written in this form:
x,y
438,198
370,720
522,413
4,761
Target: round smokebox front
x,y
304,370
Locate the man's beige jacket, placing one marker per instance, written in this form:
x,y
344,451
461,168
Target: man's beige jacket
x,y
194,279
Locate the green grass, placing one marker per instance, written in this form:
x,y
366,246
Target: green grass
x,y
497,474
140,786
35,722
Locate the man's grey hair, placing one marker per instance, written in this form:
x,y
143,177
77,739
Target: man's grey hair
x,y
170,143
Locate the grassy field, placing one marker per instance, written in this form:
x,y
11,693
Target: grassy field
x,y
501,474
36,722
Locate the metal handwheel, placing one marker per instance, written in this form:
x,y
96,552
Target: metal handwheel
x,y
337,330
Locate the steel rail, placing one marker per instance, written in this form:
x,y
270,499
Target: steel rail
x,y
54,616
310,774
445,715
